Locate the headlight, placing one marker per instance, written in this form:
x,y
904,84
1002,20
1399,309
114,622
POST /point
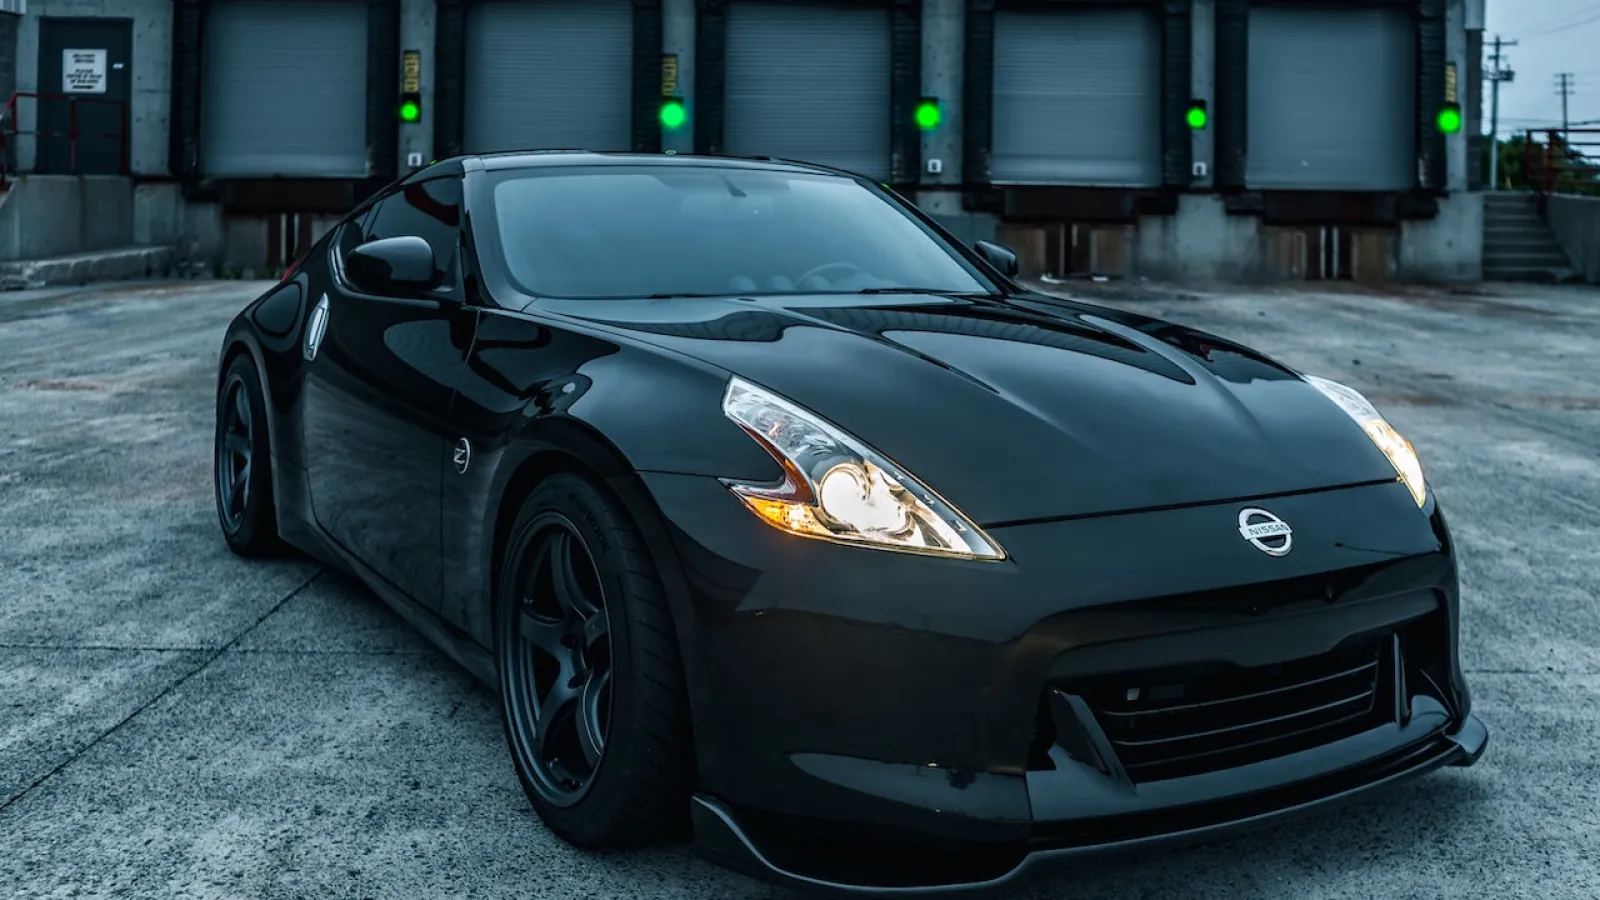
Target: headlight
x,y
836,488
1398,449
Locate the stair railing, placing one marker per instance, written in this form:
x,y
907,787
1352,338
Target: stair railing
x,y
11,130
1556,161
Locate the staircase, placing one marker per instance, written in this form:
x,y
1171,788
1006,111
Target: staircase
x,y
1518,244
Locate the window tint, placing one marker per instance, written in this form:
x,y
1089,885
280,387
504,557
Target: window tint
x,y
430,210
657,230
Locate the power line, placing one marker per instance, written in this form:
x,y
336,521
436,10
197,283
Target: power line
x,y
1562,20
1566,26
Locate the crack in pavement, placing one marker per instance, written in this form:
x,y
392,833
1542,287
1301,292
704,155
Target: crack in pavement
x,y
240,651
211,657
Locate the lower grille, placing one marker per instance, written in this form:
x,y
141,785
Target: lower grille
x,y
1175,724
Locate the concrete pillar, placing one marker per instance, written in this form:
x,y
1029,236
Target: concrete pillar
x,y
1455,44
10,24
943,47
677,39
1203,68
417,23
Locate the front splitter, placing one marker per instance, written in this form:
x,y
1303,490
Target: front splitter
x,y
720,839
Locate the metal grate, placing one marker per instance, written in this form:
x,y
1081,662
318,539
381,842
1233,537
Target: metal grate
x,y
1182,724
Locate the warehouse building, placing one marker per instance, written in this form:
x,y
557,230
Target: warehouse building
x,y
1232,139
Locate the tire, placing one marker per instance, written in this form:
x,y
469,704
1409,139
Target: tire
x,y
636,790
242,482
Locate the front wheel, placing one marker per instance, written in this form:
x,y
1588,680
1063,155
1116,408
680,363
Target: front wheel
x,y
242,463
591,685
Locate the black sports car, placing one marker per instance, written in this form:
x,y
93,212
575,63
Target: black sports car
x,y
774,513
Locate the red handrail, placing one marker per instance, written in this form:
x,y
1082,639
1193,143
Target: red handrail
x,y
1565,161
9,129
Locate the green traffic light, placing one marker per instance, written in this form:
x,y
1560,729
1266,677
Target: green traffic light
x,y
1450,120
673,115
1197,117
928,115
410,112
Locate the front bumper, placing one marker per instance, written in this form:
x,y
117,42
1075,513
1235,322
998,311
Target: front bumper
x,y
720,839
1119,679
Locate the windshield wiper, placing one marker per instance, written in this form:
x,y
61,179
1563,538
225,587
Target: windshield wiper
x,y
922,290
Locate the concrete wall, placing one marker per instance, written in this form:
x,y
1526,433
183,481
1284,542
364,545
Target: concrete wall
x,y
1447,248
677,37
94,212
416,33
1576,222
149,132
1199,241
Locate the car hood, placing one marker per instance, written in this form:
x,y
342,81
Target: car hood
x,y
1031,407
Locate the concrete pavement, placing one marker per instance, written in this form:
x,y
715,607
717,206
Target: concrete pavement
x,y
175,722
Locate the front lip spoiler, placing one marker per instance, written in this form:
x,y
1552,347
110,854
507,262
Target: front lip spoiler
x,y
719,838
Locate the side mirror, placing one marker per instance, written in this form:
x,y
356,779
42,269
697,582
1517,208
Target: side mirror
x,y
997,256
396,267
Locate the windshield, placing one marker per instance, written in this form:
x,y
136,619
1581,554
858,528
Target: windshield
x,y
668,231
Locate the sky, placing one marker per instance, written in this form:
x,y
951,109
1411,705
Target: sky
x,y
1552,36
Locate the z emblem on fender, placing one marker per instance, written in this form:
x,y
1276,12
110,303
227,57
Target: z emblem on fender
x,y
463,456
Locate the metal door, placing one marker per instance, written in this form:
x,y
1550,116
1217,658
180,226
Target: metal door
x,y
284,89
85,75
1332,102
1077,97
549,75
810,81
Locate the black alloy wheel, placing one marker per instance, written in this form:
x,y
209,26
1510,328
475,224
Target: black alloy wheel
x,y
243,463
592,686
234,451
558,670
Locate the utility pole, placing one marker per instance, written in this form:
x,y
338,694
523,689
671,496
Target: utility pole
x,y
1564,88
1497,73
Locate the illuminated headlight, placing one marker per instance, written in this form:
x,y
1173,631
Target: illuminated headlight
x,y
836,488
1397,448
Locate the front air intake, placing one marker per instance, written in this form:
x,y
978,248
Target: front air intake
x,y
1175,724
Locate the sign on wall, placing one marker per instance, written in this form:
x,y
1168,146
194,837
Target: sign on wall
x,y
411,72
83,71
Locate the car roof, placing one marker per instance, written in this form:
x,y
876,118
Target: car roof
x,y
528,159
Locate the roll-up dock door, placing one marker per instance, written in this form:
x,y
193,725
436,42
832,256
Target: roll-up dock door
x,y
284,89
810,82
1077,97
548,74
1331,101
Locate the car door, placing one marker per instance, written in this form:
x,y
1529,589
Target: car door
x,y
377,392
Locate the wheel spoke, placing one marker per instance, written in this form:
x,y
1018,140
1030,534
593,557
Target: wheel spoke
x,y
595,629
241,407
544,634
564,578
591,728
236,491
237,444
560,697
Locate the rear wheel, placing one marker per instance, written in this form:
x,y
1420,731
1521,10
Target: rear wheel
x,y
591,685
242,463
